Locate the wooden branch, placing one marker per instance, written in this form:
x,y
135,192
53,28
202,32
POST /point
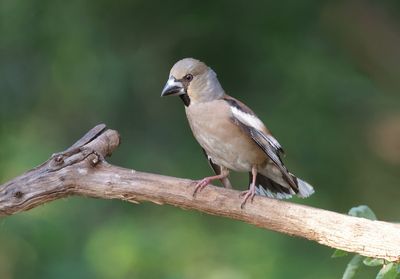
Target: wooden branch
x,y
82,170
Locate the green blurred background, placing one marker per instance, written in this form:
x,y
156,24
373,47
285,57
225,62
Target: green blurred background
x,y
323,75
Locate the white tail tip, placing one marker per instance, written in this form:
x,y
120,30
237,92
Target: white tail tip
x,y
305,189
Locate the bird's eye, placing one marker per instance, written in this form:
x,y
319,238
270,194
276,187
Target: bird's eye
x,y
188,77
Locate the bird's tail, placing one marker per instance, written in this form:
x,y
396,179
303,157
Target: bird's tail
x,y
268,187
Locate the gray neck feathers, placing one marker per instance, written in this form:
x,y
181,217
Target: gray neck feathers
x,y
211,88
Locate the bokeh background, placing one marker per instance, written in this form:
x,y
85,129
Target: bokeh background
x,y
323,75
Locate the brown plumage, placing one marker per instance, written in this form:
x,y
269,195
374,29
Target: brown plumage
x,y
231,135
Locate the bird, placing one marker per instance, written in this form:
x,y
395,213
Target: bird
x,y
231,135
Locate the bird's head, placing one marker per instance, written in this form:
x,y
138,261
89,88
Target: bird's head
x,y
193,81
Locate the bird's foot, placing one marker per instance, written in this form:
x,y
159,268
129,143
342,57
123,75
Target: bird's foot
x,y
249,194
201,184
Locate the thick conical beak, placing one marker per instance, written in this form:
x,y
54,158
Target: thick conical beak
x,y
173,87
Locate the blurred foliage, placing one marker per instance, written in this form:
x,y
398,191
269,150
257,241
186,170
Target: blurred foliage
x,y
387,270
323,75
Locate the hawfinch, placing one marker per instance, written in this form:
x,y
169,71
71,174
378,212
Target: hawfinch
x,y
231,135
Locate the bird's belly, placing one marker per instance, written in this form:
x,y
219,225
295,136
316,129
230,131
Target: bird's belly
x,y
228,158
231,149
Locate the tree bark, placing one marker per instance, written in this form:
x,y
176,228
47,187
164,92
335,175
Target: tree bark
x,y
81,170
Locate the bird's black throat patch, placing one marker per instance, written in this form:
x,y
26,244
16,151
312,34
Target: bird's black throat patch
x,y
185,99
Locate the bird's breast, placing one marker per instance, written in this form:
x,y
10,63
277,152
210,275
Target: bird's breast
x,y
223,140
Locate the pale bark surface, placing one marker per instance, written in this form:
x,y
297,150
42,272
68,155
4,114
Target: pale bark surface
x,y
82,170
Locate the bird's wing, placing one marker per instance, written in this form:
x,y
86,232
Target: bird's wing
x,y
250,124
248,117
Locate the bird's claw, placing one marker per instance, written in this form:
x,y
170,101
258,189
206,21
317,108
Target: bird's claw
x,y
249,194
200,185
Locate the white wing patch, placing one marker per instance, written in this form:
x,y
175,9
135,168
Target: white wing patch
x,y
253,121
247,119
